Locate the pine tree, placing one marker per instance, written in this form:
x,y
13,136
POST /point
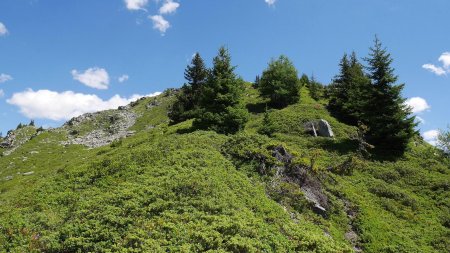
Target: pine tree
x,y
219,107
316,89
189,95
304,80
31,123
267,127
348,93
388,118
280,83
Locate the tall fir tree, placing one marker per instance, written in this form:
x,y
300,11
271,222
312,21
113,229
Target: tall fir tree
x,y
280,83
219,105
390,123
187,99
349,91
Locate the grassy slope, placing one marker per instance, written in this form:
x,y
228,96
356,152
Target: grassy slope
x,y
161,190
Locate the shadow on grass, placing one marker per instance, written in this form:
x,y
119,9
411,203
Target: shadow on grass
x,y
347,146
257,107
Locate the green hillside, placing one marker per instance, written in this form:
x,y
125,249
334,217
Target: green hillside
x,y
156,187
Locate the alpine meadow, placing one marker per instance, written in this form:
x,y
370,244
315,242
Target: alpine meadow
x,y
281,162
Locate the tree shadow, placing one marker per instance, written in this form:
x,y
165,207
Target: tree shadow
x,y
256,108
340,146
347,146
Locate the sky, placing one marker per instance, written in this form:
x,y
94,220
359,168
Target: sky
x,y
59,59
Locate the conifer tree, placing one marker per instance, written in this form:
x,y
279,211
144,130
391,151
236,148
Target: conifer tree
x,y
280,83
316,89
348,93
304,80
219,107
388,118
188,98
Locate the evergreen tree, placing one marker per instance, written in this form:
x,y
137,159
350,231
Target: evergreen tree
x,y
219,107
388,118
316,89
31,123
267,127
304,80
256,83
279,82
348,93
188,97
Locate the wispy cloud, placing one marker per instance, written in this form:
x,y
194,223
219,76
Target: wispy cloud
x,y
123,78
160,23
96,78
136,4
270,2
431,136
3,30
440,70
5,78
2,93
46,104
168,7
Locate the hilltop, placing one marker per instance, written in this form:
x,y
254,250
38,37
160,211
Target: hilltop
x,y
146,185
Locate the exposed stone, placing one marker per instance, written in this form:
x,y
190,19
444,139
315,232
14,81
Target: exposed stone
x,y
325,129
152,104
120,122
319,128
28,173
7,178
308,183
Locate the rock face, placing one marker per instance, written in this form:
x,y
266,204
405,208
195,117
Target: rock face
x,y
308,183
319,128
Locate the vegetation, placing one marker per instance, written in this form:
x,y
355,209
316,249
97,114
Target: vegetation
x,y
443,140
188,98
238,186
219,107
279,83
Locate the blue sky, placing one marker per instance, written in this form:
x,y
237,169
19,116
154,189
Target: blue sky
x,y
62,58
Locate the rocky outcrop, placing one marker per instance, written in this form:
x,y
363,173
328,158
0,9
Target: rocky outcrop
x,y
302,176
119,123
16,138
319,128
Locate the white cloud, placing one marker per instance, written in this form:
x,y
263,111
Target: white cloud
x,y
160,23
5,78
3,30
46,104
123,78
168,7
434,69
445,59
417,104
136,4
95,77
270,2
2,93
431,136
438,70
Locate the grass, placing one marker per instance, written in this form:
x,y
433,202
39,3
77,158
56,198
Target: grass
x,y
172,189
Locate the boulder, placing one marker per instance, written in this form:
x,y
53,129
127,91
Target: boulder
x,y
325,129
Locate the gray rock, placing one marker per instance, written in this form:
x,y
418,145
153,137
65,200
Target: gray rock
x,y
28,173
7,178
120,123
325,129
